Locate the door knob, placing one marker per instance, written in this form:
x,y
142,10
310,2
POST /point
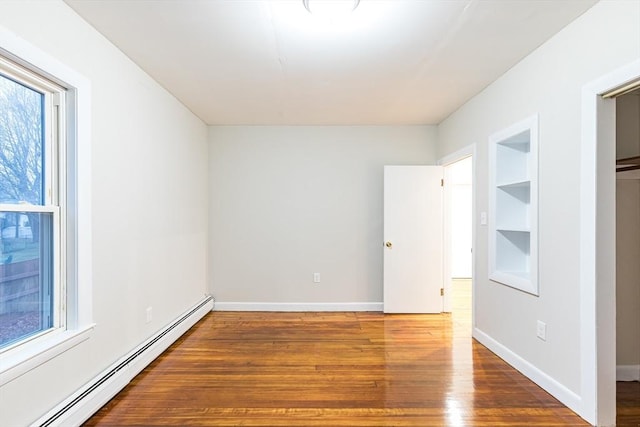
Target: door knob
x,y
389,245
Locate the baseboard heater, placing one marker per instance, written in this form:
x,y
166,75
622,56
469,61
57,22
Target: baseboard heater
x,y
85,402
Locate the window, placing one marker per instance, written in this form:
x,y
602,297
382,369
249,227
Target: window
x,y
45,215
31,188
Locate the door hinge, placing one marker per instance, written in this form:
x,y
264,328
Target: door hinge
x,y
441,292
441,182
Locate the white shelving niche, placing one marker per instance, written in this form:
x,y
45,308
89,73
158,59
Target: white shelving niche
x,y
513,198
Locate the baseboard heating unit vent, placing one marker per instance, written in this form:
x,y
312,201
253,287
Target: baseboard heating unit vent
x,y
90,398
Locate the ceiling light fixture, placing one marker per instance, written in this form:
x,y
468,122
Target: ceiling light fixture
x,y
330,8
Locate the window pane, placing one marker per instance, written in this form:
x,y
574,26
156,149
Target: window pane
x,y
21,143
26,274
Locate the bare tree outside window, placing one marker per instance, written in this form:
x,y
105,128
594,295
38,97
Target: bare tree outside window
x,y
21,138
25,286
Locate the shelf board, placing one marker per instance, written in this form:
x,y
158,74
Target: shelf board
x,y
515,184
520,274
506,277
520,280
513,229
520,141
628,164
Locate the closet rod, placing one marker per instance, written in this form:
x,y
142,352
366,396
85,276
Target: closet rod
x,y
628,168
622,90
628,161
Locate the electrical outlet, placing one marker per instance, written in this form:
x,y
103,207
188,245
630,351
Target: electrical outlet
x,y
149,313
541,330
316,277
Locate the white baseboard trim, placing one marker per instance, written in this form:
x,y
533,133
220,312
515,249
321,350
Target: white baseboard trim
x,y
628,373
572,400
92,396
301,306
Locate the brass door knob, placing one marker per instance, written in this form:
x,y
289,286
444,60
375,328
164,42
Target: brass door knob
x,y
389,245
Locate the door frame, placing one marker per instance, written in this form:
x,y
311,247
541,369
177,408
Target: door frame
x,y
468,151
597,244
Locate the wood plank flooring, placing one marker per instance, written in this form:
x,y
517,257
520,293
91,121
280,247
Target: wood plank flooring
x,y
628,410
332,369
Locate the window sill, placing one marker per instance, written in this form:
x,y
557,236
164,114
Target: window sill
x,y
29,356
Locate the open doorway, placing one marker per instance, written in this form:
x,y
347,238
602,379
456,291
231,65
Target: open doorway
x,y
458,237
458,181
459,174
627,255
598,242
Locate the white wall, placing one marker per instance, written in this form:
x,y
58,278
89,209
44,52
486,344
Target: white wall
x,y
547,82
286,202
149,205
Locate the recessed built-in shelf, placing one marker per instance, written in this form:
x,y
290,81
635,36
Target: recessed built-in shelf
x,y
513,196
515,184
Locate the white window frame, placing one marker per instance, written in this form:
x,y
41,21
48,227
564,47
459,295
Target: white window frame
x,y
54,180
75,256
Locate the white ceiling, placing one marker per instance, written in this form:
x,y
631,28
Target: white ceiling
x,y
270,62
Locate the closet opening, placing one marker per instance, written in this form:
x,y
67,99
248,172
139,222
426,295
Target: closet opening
x,y
627,256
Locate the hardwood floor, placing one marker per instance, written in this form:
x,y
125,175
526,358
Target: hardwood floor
x,y
332,369
628,411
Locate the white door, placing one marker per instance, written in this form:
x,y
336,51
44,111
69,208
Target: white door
x,y
412,239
